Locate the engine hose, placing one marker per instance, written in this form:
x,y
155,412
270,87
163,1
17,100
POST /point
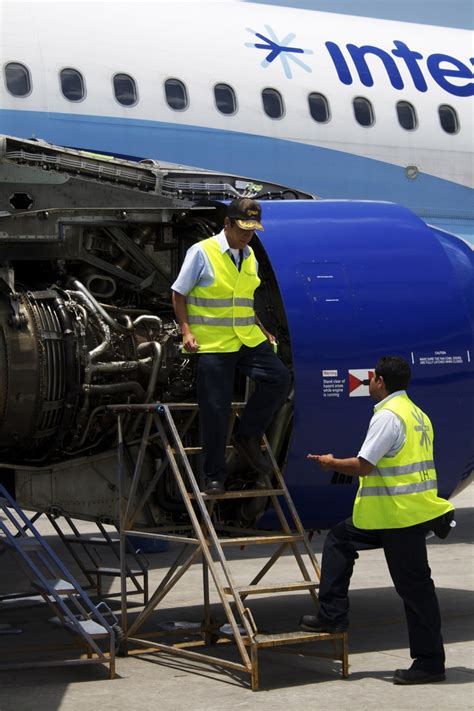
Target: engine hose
x,y
129,387
151,318
114,325
142,348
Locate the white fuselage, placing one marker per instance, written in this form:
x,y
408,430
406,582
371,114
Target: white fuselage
x,y
205,43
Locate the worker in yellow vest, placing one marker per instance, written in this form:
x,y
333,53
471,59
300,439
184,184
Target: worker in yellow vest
x,y
213,299
395,507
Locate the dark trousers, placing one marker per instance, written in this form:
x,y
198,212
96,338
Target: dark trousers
x,y
406,556
215,385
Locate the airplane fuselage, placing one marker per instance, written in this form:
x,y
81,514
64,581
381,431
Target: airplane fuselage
x,y
343,107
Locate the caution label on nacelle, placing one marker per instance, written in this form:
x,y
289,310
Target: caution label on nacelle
x,y
359,382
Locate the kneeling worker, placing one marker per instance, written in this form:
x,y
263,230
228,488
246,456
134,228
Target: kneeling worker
x,y
396,505
213,299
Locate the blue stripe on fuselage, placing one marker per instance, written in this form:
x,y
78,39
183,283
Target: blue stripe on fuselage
x,y
325,172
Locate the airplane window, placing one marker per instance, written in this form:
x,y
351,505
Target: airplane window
x,y
125,90
225,99
17,79
319,108
363,111
448,118
176,94
72,84
272,103
406,115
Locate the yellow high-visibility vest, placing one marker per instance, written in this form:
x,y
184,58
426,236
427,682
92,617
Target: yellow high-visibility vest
x,y
222,315
402,490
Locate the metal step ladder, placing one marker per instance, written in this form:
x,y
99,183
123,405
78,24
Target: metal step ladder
x,y
206,542
50,579
84,549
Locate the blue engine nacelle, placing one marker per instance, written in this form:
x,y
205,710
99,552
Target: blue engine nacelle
x,y
360,280
86,321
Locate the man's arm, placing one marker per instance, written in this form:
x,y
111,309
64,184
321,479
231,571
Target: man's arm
x,y
384,436
270,338
190,343
352,466
193,270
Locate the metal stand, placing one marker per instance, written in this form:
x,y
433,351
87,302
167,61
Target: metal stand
x,y
83,548
202,543
59,589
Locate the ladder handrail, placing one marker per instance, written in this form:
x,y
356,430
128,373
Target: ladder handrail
x,y
209,527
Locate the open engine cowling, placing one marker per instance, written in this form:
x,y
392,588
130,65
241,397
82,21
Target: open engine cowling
x,y
87,259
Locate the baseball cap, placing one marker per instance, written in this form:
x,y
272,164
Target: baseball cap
x,y
247,213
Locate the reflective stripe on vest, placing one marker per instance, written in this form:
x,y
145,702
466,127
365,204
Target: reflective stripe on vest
x,y
216,303
404,469
401,491
222,315
213,321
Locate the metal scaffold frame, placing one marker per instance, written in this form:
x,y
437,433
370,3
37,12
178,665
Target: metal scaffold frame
x,y
201,543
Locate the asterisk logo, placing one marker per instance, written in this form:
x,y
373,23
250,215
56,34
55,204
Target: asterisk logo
x,y
421,427
279,49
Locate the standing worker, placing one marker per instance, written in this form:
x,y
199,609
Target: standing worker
x,y
213,299
396,505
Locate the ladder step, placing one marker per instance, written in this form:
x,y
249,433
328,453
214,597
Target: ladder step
x,y
196,449
244,494
274,588
194,406
57,584
260,540
26,544
89,540
101,570
273,640
93,629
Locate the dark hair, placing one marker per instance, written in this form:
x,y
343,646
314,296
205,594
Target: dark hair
x,y
395,372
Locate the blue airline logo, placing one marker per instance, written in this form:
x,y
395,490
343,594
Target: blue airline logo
x,y
279,49
451,74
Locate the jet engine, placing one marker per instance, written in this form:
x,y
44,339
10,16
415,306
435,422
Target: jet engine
x,y
89,248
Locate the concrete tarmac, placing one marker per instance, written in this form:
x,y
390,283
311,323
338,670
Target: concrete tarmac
x,y
378,643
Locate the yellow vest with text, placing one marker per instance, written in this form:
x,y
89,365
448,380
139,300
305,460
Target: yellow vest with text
x,y
402,491
222,315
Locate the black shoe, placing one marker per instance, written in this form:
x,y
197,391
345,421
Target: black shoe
x,y
417,676
249,450
311,623
213,486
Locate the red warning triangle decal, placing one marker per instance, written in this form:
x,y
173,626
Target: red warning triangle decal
x,y
359,382
353,382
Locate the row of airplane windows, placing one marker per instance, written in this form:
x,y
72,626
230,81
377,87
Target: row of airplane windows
x,y
18,83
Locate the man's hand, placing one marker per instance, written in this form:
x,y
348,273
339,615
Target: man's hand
x,y
325,461
190,343
269,336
